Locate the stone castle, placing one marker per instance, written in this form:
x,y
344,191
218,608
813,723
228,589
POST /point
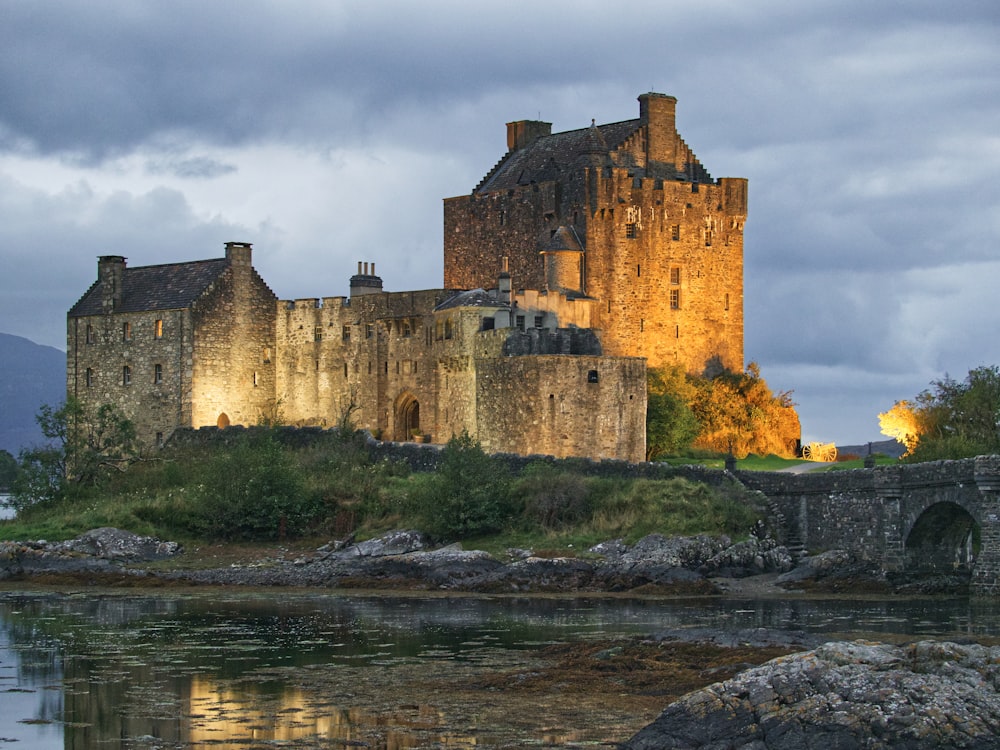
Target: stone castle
x,y
579,258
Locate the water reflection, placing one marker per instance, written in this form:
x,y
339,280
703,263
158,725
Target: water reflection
x,y
232,670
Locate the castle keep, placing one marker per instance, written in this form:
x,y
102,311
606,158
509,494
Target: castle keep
x,y
577,259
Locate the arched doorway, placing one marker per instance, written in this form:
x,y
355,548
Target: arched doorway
x,y
945,538
407,417
223,421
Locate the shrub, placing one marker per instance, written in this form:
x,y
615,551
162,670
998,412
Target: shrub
x,y
553,499
254,490
468,496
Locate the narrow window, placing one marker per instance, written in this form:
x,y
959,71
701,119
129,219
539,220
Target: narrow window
x,y
387,367
642,325
727,300
447,328
708,238
538,321
630,230
675,276
677,332
675,232
503,218
159,440
397,367
345,369
89,377
157,374
266,355
126,375
519,322
158,328
369,367
638,270
126,331
90,334
675,299
369,330
345,333
318,333
592,376
254,378
407,329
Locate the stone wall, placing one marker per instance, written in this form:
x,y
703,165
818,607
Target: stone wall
x,y
155,347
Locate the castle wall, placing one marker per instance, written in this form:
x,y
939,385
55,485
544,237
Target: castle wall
x,y
155,347
233,366
562,405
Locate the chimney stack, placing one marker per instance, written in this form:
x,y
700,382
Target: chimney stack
x,y
525,132
365,281
111,275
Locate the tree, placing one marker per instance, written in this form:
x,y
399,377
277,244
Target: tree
x,y
84,444
952,419
671,425
8,470
739,414
902,423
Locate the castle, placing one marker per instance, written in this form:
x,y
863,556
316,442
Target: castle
x,y
580,257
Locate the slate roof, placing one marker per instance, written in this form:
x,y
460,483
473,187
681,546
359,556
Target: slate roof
x,y
170,286
549,156
470,298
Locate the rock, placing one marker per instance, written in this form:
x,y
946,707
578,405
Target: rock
x,y
751,557
844,695
114,544
392,543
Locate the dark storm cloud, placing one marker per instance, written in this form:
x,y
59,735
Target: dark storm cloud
x,y
868,131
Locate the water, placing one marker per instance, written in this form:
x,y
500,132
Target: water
x,y
247,670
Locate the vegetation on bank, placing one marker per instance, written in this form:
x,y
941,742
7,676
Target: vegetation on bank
x,y
253,488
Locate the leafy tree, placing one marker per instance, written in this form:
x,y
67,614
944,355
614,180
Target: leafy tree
x,y
469,495
951,419
8,470
84,444
739,414
671,425
902,423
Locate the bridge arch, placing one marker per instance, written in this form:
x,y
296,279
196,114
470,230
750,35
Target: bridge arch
x,y
944,537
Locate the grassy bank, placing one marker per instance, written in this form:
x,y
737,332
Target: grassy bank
x,y
257,490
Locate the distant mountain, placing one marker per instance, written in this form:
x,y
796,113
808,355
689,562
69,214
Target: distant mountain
x,y
30,375
890,448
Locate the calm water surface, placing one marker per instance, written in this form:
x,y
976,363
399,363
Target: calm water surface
x,y
249,670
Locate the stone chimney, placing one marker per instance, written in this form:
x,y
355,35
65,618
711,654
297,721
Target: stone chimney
x,y
658,113
525,132
111,275
239,253
365,281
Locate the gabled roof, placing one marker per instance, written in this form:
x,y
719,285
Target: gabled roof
x,y
470,298
547,157
170,286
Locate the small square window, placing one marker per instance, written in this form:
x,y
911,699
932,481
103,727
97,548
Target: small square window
x,y
519,322
538,321
592,377
369,330
631,230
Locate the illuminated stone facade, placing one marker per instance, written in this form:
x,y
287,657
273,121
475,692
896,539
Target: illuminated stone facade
x,y
625,215
207,343
579,258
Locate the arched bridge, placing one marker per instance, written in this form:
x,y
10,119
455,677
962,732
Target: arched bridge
x,y
931,517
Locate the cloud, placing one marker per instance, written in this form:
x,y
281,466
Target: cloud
x,y
327,133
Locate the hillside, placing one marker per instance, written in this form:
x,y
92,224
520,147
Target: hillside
x,y
30,375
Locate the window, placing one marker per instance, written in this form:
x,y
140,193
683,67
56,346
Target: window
x,y
592,376
538,321
345,369
407,331
503,218
318,333
254,379
159,440
157,374
675,299
447,328
675,276
126,375
89,377
638,270
631,230
519,322
675,232
708,238
126,331
727,300
90,334
345,333
158,328
488,324
369,330
266,355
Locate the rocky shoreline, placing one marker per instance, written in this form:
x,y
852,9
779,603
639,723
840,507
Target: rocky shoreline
x,y
834,695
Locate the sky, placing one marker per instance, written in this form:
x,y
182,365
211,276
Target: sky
x,y
328,132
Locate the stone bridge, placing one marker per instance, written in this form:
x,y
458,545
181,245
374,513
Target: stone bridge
x,y
942,516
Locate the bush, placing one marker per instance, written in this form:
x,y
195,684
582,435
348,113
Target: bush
x,y
468,496
254,490
553,499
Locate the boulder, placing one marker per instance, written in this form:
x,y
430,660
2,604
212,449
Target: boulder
x,y
117,545
844,695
